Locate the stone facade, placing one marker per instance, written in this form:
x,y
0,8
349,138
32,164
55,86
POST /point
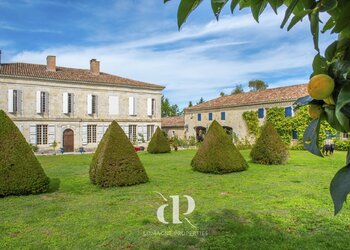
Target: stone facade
x,y
137,109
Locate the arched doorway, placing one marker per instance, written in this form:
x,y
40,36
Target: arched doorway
x,y
68,140
200,133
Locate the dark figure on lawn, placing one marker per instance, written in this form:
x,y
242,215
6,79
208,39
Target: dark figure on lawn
x,y
328,147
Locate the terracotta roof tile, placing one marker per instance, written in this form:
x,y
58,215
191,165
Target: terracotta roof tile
x,y
68,74
176,121
281,94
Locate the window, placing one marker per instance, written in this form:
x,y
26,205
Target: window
x,y
42,102
199,117
132,105
151,106
92,104
261,113
223,116
132,133
210,116
67,103
150,131
288,111
345,136
14,101
41,134
91,133
294,135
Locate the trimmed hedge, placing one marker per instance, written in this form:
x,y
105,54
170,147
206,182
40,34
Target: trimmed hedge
x,y
269,148
159,143
115,162
20,171
218,154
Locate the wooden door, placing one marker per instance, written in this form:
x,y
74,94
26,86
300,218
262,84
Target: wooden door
x,y
68,140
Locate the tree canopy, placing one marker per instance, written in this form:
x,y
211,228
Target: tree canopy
x,y
257,85
169,109
237,90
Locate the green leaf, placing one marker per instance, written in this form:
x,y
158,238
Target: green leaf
x,y
289,11
244,4
185,9
314,22
343,19
308,4
330,51
217,6
319,65
327,5
348,157
275,4
234,4
340,188
329,24
298,17
332,119
343,100
302,101
258,7
339,70
310,137
165,1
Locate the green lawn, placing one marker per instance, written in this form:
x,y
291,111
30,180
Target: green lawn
x,y
265,207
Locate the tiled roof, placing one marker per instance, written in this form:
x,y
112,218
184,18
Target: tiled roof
x,y
275,95
38,71
176,121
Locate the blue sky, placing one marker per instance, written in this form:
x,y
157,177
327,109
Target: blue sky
x,y
139,39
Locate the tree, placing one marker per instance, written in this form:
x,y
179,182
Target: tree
x,y
335,63
222,93
159,143
190,104
217,154
256,85
200,101
20,172
168,109
115,162
237,90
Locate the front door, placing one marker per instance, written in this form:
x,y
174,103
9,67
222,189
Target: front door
x,y
68,140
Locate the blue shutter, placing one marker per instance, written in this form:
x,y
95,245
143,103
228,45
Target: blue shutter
x,y
199,117
222,116
294,135
261,113
288,111
210,116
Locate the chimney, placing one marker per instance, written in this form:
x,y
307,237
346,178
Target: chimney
x,y
51,63
94,67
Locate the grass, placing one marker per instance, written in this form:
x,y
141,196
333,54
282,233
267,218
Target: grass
x,y
266,207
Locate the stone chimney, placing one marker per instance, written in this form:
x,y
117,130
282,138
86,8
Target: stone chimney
x,y
51,63
94,67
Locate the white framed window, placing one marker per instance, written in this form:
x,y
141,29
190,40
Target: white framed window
x,y
92,104
150,131
133,132
132,105
151,106
42,102
91,133
14,101
41,134
67,103
113,102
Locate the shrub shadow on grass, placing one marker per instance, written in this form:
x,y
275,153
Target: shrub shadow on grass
x,y
54,185
226,229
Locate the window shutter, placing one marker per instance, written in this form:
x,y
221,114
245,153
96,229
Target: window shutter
x,y
113,105
261,113
99,133
51,134
96,104
10,101
19,101
38,102
47,102
65,103
84,134
149,106
135,106
131,105
288,111
144,132
32,134
89,104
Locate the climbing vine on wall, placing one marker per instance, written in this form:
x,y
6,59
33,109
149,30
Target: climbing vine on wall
x,y
252,121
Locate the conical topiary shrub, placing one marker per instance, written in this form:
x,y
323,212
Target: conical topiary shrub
x,y
269,147
20,171
159,143
115,162
218,154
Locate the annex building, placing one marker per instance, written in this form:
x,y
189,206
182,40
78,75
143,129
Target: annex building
x,y
74,107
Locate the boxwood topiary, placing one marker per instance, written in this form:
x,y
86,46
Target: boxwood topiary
x,y
20,171
115,162
269,147
159,143
218,154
